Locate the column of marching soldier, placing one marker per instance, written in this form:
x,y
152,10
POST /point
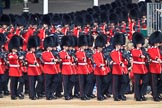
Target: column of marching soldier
x,y
80,64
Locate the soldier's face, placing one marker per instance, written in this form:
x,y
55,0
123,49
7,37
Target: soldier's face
x,y
49,48
32,49
157,44
65,47
118,47
14,50
4,26
99,48
139,45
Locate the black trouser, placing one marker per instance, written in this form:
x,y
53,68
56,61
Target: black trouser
x,y
90,83
140,89
154,84
23,81
59,88
124,84
51,84
118,88
160,84
102,83
108,82
67,85
26,82
83,85
75,84
35,90
14,87
1,82
6,80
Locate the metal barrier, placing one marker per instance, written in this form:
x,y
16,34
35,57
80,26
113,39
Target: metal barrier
x,y
154,17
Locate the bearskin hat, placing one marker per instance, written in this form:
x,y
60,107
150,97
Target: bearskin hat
x,y
118,39
104,17
20,21
12,18
155,37
65,41
90,40
88,19
48,42
34,20
100,41
15,43
82,40
134,13
2,39
46,20
78,20
138,38
5,20
33,42
66,19
55,39
56,20
73,40
113,18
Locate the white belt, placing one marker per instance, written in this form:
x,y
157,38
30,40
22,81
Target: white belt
x,y
66,63
154,61
82,63
136,62
12,65
32,65
51,63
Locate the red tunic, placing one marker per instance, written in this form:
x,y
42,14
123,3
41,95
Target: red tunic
x,y
1,67
76,31
49,64
139,65
82,62
99,61
155,67
33,69
14,65
65,30
86,30
117,59
66,63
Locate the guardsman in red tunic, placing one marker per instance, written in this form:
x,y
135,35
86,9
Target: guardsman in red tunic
x,y
101,70
34,72
155,64
118,68
78,26
90,61
125,77
14,67
66,21
50,69
1,76
82,70
55,53
72,52
1,64
139,67
67,71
